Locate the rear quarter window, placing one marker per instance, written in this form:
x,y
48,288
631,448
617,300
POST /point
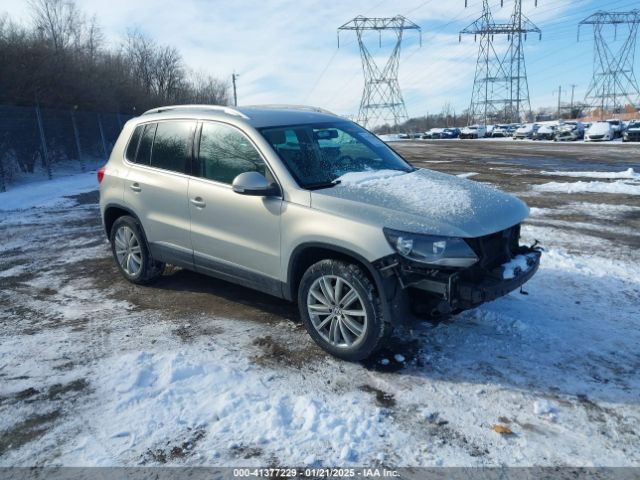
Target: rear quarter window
x,y
172,146
132,148
143,157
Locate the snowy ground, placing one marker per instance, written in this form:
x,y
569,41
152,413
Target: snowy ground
x,y
193,371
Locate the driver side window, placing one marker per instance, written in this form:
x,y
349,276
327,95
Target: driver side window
x,y
225,153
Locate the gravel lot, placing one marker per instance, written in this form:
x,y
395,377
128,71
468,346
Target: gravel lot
x,y
96,371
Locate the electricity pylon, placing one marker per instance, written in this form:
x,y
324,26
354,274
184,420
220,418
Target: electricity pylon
x,y
500,87
614,83
382,100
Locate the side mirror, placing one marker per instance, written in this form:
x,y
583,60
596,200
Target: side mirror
x,y
255,184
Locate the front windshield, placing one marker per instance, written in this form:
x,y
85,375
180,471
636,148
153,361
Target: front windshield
x,y
318,154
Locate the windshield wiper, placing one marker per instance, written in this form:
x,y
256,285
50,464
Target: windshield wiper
x,y
319,185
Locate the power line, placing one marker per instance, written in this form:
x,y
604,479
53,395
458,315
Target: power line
x,y
500,88
614,83
382,100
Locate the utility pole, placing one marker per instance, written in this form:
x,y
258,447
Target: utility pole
x,y
573,89
613,83
559,99
382,100
500,87
234,76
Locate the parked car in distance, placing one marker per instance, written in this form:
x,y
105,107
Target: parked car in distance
x,y
307,206
501,130
632,132
599,132
513,127
473,131
525,131
545,132
617,126
433,133
569,132
450,133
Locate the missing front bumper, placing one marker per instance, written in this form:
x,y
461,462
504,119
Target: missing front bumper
x,y
440,292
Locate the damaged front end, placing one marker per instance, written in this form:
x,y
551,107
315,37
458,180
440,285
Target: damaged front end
x,y
439,275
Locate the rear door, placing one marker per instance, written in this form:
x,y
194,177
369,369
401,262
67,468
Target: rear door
x,y
156,187
236,237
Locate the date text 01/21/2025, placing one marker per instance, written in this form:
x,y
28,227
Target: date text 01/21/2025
x,y
315,472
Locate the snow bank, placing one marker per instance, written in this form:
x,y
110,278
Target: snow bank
x,y
157,395
629,173
47,193
619,187
390,137
603,211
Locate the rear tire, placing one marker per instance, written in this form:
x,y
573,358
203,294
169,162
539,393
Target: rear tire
x,y
342,311
131,253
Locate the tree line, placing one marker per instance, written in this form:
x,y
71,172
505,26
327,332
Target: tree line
x,y
64,91
61,59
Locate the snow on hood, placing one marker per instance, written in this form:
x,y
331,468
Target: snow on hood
x,y
422,201
599,128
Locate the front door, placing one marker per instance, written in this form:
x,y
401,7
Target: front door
x,y
235,237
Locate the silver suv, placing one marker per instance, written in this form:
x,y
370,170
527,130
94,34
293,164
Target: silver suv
x,y
310,207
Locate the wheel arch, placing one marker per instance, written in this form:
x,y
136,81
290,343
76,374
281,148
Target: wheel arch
x,y
306,254
112,212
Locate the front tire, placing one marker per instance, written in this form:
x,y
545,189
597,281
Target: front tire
x,y
342,311
131,253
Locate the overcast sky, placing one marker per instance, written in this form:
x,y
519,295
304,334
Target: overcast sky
x,y
286,51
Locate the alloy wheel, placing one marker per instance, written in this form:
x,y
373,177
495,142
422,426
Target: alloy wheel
x,y
128,250
337,311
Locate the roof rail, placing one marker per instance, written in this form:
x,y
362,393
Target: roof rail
x,y
307,108
217,108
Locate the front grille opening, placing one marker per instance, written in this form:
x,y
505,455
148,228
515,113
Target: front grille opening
x,y
497,248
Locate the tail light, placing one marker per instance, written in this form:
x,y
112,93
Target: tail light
x,y
100,174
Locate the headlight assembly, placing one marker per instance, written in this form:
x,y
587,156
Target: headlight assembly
x,y
431,249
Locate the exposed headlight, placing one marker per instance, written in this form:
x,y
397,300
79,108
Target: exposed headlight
x,y
431,249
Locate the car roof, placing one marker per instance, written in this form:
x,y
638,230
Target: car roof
x,y
258,116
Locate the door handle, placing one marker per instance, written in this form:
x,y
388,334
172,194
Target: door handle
x,y
198,202
135,187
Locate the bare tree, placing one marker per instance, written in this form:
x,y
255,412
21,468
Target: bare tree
x,y
140,51
56,21
168,73
205,89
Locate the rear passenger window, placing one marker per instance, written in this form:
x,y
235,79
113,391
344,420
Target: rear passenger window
x,y
144,150
132,148
225,153
171,147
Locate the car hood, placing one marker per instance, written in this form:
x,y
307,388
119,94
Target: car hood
x,y
422,201
599,130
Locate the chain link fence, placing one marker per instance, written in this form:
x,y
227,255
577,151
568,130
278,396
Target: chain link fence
x,y
35,140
